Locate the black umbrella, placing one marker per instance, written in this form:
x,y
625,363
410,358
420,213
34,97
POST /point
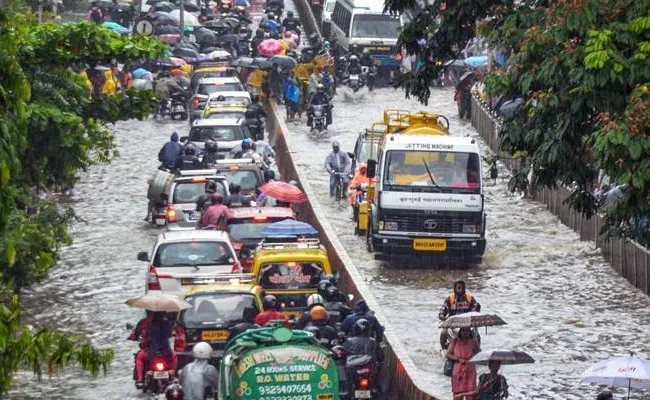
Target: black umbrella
x,y
227,38
164,6
167,30
216,23
262,63
164,18
244,62
205,37
191,7
232,22
283,61
185,52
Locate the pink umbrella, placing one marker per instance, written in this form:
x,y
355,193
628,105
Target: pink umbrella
x,y
170,38
270,48
177,62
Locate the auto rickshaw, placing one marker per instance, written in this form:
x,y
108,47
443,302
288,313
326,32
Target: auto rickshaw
x,y
278,363
290,269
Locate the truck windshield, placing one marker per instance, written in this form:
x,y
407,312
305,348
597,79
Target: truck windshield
x,y
434,170
379,26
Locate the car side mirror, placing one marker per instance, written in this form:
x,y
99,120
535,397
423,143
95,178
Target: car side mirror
x,y
249,314
371,170
183,139
143,256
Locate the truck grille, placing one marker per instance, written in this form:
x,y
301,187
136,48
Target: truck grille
x,y
441,222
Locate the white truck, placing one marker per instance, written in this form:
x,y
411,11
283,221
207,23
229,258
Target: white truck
x,y
428,196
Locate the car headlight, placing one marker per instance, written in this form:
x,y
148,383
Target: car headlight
x,y
471,228
390,225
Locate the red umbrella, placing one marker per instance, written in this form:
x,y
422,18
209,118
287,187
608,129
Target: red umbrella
x,y
283,191
270,48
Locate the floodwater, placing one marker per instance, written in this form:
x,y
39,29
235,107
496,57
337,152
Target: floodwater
x,y
563,304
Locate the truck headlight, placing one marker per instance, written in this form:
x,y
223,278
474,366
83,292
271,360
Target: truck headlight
x,y
390,225
471,228
381,225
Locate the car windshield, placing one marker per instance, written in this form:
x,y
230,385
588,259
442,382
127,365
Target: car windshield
x,y
364,152
290,275
216,133
225,115
207,88
192,254
433,170
189,192
209,308
247,179
375,26
330,6
246,230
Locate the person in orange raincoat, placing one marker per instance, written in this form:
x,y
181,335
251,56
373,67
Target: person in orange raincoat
x,y
109,88
359,179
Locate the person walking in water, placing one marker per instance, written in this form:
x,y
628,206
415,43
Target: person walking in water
x,y
463,376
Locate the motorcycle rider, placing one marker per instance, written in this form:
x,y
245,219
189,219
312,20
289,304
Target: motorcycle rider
x,y
254,124
236,199
291,23
259,38
320,98
359,179
156,341
361,344
189,160
271,24
354,51
362,311
211,154
203,200
171,153
319,319
270,313
354,68
366,61
458,302
248,152
337,162
313,300
336,305
199,374
211,216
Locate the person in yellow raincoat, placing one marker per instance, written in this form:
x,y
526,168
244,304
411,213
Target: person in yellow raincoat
x,y
109,87
87,82
360,177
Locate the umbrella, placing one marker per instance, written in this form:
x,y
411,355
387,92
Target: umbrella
x,y
217,54
477,61
270,48
629,371
170,38
229,37
262,63
503,356
216,23
289,227
168,30
205,37
163,6
164,18
283,191
158,302
177,62
511,107
283,61
188,19
472,319
116,27
185,53
191,7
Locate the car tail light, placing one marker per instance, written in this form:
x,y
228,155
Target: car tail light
x,y
172,215
363,383
235,268
196,101
160,366
260,218
180,342
153,279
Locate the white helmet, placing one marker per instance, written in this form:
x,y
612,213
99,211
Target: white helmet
x,y
314,299
202,351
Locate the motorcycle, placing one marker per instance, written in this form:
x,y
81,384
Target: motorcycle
x,y
355,82
158,375
318,119
159,212
364,373
178,110
369,74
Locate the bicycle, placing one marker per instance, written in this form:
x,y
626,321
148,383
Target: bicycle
x,y
339,186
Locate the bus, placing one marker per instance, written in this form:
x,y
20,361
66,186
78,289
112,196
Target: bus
x,y
362,22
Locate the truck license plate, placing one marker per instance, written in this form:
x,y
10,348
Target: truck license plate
x,y
362,394
430,244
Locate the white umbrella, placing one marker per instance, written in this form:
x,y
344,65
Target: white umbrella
x,y
188,19
622,372
159,302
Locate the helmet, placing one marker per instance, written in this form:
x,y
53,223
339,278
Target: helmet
x,y
234,188
211,187
211,146
314,299
361,327
270,302
246,144
202,351
318,313
354,48
269,175
326,43
289,14
190,150
320,87
175,390
323,285
354,59
270,15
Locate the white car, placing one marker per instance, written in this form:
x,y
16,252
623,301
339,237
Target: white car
x,y
182,259
229,99
227,132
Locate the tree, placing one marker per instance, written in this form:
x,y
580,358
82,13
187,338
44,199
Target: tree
x,y
49,131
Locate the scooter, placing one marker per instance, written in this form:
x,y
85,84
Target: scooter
x,y
159,212
318,119
363,373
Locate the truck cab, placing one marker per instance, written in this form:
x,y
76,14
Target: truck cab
x,y
428,198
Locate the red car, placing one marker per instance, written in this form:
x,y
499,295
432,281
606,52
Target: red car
x,y
245,225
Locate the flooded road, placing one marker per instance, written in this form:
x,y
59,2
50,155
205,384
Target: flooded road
x,y
563,304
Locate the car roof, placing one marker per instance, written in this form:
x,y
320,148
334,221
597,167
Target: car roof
x,y
181,236
219,79
216,108
219,122
271,212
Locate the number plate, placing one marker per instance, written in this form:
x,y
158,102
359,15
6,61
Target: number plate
x,y
354,76
430,244
214,335
194,216
362,394
160,374
160,221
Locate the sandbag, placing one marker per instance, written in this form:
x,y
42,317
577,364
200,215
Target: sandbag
x,y
159,183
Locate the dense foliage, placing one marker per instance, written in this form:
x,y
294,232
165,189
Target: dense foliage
x,y
49,131
583,68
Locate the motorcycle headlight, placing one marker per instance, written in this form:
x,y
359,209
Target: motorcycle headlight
x,y
390,225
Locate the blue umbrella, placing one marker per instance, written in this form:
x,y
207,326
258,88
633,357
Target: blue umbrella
x,y
476,62
117,28
289,227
